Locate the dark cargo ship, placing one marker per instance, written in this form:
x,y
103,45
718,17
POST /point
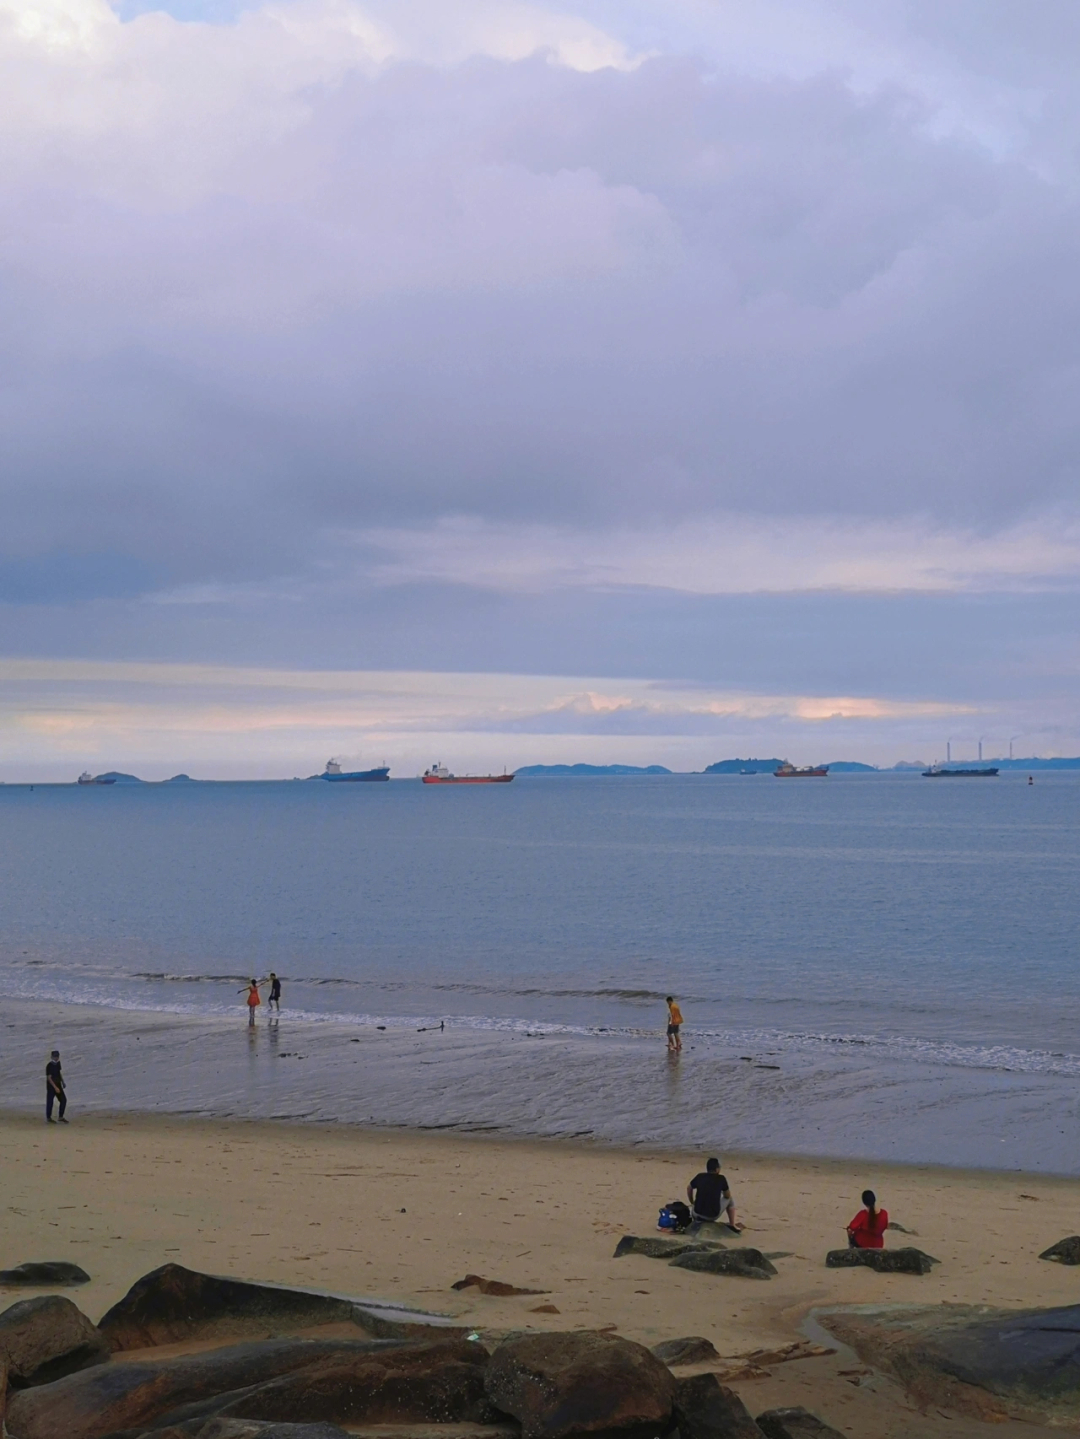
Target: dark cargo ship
x,y
937,771
336,774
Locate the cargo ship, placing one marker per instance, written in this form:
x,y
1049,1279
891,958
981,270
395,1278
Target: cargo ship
x,y
438,774
336,774
87,778
937,771
810,771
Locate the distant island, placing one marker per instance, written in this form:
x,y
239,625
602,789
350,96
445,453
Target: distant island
x,y
580,770
743,766
768,766
1031,763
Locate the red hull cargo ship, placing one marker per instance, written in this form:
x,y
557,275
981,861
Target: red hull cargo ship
x,y
438,774
790,771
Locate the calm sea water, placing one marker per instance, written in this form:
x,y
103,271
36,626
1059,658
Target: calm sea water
x,y
855,931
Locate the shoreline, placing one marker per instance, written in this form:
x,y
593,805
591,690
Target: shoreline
x,y
592,1145
619,1091
399,1216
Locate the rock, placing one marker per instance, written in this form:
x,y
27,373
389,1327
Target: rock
x,y
114,1397
173,1304
658,1248
252,1429
46,1274
43,1339
246,1429
991,1364
493,1286
1065,1251
795,1424
705,1409
277,1431
749,1263
583,1382
691,1350
399,1384
885,1261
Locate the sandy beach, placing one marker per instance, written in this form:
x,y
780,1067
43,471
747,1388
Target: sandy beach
x,y
402,1215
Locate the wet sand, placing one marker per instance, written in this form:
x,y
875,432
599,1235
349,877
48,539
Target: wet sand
x,y
401,1215
626,1090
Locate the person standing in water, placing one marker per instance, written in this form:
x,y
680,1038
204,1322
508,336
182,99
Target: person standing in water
x,y
674,1024
54,1088
253,1000
274,999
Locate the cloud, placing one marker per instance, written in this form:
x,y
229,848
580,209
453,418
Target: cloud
x,y
336,305
732,555
247,722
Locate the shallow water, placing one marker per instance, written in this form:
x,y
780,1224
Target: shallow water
x,y
902,949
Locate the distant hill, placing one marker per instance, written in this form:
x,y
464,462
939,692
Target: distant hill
x,y
118,778
181,779
1030,763
767,766
578,770
743,766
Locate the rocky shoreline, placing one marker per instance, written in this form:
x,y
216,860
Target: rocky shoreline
x,y
259,1370
263,1361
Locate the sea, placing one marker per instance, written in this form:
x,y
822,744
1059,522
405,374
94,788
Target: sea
x,y
878,966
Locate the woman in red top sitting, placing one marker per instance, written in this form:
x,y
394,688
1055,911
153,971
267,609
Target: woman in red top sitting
x,y
867,1229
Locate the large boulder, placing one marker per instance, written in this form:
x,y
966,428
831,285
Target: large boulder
x,y
749,1263
246,1429
694,1349
657,1247
885,1261
173,1304
581,1383
404,1384
121,1396
1065,1251
43,1339
992,1364
705,1409
795,1424
43,1274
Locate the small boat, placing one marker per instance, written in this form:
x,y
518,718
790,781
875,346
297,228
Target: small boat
x,y
87,778
438,774
790,771
937,771
336,774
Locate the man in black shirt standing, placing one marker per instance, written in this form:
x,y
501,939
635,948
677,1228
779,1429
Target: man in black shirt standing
x,y
710,1196
54,1088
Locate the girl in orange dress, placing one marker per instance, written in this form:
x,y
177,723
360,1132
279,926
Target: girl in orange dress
x,y
253,1000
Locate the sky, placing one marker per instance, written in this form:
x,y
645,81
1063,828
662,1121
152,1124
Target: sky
x,y
491,382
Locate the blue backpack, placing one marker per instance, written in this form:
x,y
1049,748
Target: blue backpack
x,y
674,1217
